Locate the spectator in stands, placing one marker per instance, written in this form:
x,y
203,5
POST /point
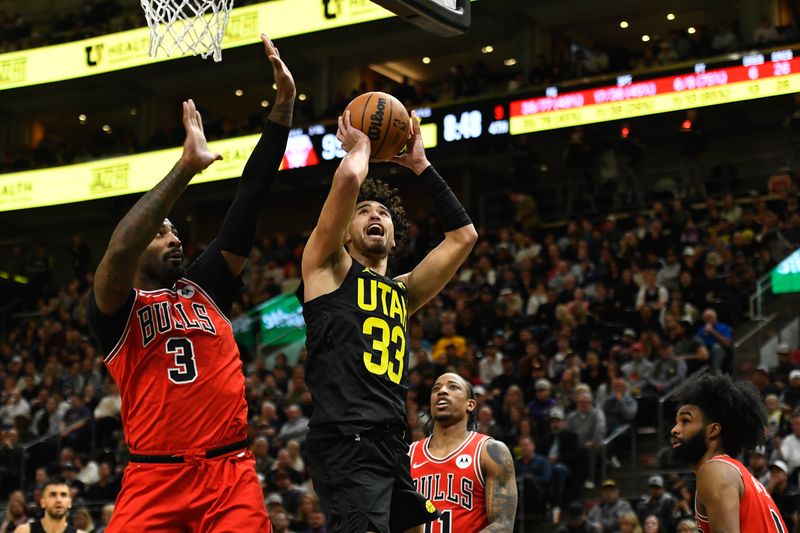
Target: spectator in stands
x,y
105,517
576,521
491,364
791,396
790,446
15,406
449,338
487,424
786,497
533,473
659,503
765,34
638,370
82,520
759,465
606,513
11,461
717,337
589,424
107,486
280,522
296,425
629,523
562,449
780,375
619,409
668,370
16,513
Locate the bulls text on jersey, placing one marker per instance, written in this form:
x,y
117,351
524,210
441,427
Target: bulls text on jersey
x,y
432,487
158,318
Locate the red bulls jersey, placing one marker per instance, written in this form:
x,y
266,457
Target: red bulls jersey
x,y
454,484
173,356
757,510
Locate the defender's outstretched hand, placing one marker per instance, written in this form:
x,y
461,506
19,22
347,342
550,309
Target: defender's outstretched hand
x,y
283,77
196,155
414,157
349,135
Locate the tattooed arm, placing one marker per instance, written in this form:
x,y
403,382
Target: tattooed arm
x,y
115,274
501,487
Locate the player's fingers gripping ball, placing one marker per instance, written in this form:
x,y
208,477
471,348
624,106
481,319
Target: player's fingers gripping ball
x,y
384,120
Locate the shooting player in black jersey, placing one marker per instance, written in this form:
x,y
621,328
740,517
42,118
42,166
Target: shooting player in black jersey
x,y
357,341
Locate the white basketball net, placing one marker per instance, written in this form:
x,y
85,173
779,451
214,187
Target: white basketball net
x,y
184,26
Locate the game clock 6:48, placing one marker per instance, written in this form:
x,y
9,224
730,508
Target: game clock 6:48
x,y
468,125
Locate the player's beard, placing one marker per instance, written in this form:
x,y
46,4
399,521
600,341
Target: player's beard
x,y
692,450
172,273
52,514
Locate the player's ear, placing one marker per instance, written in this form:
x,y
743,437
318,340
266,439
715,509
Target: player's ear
x,y
471,405
713,430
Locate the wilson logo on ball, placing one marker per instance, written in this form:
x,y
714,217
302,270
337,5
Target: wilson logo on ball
x,y
376,120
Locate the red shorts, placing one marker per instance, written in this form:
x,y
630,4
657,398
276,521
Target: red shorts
x,y
200,495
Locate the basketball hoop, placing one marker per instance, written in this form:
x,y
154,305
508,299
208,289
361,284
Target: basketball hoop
x,y
184,26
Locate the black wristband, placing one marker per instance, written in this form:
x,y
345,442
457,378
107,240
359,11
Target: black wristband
x,y
451,212
238,231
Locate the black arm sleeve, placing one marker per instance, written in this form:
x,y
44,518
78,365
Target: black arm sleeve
x,y
108,330
211,272
450,210
238,230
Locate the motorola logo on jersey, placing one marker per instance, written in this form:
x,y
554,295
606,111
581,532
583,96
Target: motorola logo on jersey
x,y
187,291
464,461
162,317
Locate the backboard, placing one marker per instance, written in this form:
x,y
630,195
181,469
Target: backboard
x,y
441,17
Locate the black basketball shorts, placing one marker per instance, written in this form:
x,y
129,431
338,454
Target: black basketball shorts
x,y
364,482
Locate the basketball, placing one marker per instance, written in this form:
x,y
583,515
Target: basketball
x,y
384,120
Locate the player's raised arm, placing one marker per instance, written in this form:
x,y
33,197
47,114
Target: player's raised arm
x,y
433,272
115,275
719,490
501,487
238,231
325,248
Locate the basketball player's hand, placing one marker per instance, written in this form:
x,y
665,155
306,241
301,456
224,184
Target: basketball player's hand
x,y
350,136
196,155
283,77
414,157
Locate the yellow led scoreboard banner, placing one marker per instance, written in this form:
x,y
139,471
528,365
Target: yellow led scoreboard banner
x,y
128,49
118,176
755,78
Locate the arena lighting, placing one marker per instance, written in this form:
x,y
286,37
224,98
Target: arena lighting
x,y
426,60
129,49
510,62
106,128
625,132
82,118
238,92
133,111
691,30
302,97
686,125
488,49
623,24
670,16
776,74
645,38
264,103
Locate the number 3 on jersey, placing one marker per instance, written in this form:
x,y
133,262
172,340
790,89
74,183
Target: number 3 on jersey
x,y
382,339
185,370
